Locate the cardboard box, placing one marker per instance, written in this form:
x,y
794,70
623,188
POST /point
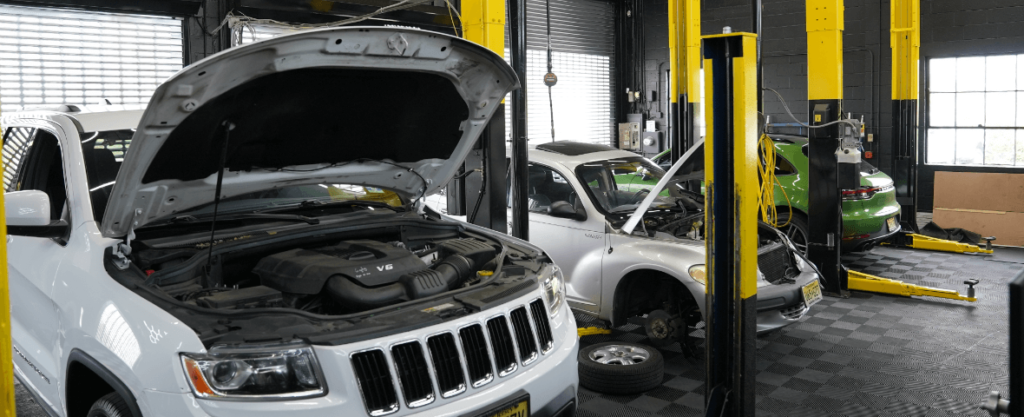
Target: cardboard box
x,y
1006,226
979,191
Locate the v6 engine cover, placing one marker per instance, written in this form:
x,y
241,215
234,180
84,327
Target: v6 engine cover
x,y
367,262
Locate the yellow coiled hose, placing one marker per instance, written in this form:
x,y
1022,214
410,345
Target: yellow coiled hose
x,y
766,169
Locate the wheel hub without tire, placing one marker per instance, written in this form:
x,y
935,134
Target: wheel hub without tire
x,y
620,355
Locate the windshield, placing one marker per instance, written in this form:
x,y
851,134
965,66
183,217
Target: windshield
x,y
619,185
296,196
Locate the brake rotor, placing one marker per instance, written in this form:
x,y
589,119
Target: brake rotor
x,y
662,328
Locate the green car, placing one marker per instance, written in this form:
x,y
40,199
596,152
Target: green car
x,y
870,213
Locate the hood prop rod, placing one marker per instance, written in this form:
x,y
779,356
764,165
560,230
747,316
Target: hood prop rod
x,y
228,127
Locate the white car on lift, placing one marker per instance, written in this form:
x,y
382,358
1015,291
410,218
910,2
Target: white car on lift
x,y
625,254
253,243
625,257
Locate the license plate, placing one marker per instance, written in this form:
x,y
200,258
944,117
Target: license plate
x,y
520,408
891,222
812,294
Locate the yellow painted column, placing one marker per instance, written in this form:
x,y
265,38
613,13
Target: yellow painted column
x,y
483,22
905,40
730,146
684,49
684,70
6,349
825,49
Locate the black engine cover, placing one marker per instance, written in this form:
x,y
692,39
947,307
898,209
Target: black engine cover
x,y
367,262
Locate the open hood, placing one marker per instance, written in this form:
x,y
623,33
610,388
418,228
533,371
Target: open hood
x,y
385,107
668,178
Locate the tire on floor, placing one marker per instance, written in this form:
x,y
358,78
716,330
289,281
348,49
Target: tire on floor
x,y
620,368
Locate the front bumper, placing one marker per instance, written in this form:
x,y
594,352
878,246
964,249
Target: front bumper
x,y
781,305
551,381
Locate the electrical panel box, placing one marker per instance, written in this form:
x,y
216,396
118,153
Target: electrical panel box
x,y
651,143
629,136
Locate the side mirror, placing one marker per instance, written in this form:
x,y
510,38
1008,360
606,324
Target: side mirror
x,y
28,214
565,210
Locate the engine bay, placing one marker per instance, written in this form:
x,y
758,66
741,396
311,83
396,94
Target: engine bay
x,y
345,274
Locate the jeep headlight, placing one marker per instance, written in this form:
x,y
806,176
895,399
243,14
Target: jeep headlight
x,y
699,273
255,373
552,284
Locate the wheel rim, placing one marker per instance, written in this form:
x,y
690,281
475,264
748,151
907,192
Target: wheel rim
x,y
798,237
620,355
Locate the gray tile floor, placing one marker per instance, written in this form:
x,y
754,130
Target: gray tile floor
x,y
868,355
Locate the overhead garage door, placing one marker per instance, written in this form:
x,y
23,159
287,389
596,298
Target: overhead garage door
x,y
583,57
52,56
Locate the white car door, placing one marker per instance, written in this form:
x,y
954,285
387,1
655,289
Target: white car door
x,y
577,245
34,161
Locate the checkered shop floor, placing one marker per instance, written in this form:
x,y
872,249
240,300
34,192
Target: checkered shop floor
x,y
868,355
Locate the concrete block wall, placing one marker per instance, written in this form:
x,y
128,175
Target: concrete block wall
x,y
948,28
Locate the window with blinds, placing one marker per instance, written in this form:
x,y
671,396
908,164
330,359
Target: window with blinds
x,y
583,58
53,56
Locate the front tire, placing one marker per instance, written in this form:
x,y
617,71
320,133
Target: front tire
x,y
110,405
620,368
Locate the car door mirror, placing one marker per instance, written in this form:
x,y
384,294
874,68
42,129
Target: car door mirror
x,y
28,214
565,210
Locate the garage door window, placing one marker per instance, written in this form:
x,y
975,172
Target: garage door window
x,y
70,57
976,111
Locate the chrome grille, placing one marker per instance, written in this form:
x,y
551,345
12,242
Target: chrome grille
x,y
540,319
371,368
447,366
524,335
501,344
478,361
413,375
481,350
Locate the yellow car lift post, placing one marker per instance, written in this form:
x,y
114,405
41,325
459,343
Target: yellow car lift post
x,y
684,58
6,348
905,41
825,107
730,156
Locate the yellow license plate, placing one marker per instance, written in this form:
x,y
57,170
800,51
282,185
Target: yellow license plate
x,y
891,222
812,294
520,409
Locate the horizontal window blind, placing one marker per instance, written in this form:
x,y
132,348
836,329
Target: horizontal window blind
x,y
53,56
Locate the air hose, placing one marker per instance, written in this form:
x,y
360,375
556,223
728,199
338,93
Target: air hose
x,y
766,200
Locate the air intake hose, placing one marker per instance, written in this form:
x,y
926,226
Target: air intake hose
x,y
448,274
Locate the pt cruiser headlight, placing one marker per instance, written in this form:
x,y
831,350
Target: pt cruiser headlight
x,y
699,273
553,285
255,373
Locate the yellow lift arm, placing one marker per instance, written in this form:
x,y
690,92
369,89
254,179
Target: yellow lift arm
x,y
587,331
916,241
860,281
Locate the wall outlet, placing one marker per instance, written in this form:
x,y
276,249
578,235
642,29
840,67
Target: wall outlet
x,y
871,137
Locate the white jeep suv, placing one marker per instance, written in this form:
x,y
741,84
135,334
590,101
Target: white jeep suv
x,y
253,242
